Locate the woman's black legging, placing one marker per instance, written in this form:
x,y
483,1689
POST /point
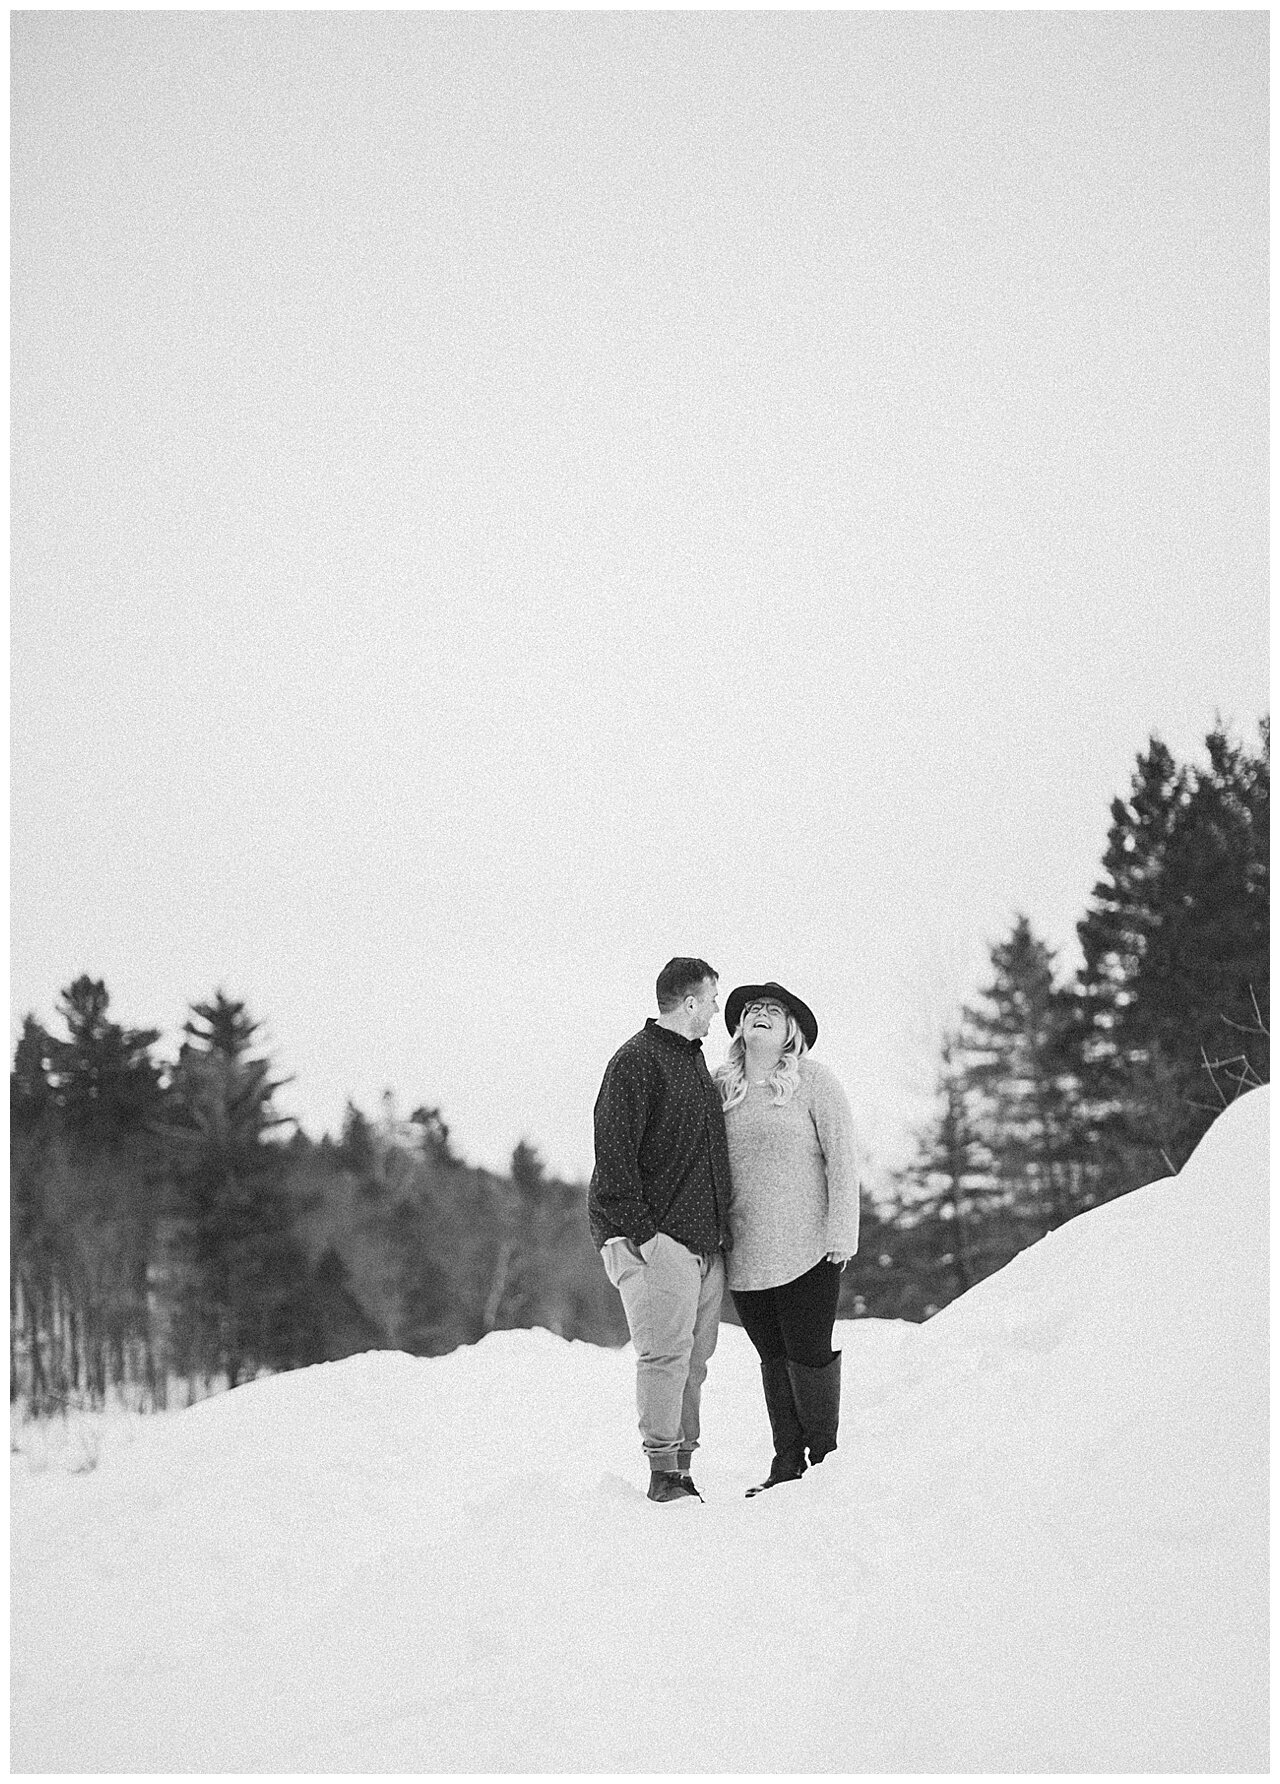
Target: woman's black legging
x,y
794,1320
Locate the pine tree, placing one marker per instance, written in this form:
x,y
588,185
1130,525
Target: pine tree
x,y
1125,910
1204,981
532,1254
434,1131
1176,959
948,1194
236,1278
35,1244
84,1179
31,1089
894,1273
355,1147
528,1173
105,1082
1019,1072
223,1026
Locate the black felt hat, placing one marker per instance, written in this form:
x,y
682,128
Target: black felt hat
x,y
742,995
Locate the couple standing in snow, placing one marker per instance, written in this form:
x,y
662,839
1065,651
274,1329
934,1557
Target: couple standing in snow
x,y
748,1175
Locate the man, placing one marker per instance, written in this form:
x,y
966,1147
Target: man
x,y
658,1207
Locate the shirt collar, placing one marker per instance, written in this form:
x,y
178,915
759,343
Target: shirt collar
x,y
669,1038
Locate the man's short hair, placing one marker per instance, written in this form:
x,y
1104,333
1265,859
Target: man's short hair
x,y
678,978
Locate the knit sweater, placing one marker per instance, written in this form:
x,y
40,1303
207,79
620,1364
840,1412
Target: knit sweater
x,y
794,1174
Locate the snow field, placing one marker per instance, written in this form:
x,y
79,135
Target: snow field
x,y
1040,1547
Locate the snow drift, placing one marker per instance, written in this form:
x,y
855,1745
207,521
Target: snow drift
x,y
1042,1545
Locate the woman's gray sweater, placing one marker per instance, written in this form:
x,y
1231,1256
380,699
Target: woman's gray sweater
x,y
794,1171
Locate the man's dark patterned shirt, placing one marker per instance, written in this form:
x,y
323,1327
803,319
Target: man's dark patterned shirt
x,y
662,1163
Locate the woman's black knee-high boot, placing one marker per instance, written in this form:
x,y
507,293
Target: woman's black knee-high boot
x,y
817,1400
784,1421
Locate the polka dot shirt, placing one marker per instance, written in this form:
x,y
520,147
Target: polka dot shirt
x,y
662,1162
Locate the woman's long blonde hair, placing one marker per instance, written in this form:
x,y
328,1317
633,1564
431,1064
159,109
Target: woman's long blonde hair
x,y
731,1076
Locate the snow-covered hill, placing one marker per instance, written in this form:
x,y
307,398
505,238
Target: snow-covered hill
x,y
1040,1547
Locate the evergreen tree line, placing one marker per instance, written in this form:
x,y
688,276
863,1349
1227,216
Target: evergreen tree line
x,y
164,1229
1055,1095
166,1236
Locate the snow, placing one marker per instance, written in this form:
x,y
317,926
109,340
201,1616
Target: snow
x,y
1041,1546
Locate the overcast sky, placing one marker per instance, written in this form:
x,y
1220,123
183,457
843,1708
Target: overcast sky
x,y
502,498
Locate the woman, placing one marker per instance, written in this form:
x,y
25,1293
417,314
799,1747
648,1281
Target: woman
x,y
793,1215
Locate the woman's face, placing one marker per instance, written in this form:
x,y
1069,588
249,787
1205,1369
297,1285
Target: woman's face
x,y
765,1021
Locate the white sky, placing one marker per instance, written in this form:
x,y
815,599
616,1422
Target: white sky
x,y
500,499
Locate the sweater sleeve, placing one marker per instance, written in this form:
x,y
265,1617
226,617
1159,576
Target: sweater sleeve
x,y
621,1112
833,1119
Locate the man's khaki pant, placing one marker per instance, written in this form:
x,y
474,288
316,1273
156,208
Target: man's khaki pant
x,y
672,1303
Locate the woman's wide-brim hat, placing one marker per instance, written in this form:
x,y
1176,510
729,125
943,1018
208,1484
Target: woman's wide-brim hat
x,y
742,995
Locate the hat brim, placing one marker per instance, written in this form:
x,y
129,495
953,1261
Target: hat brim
x,y
742,995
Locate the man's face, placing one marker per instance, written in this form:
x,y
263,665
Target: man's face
x,y
702,1005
